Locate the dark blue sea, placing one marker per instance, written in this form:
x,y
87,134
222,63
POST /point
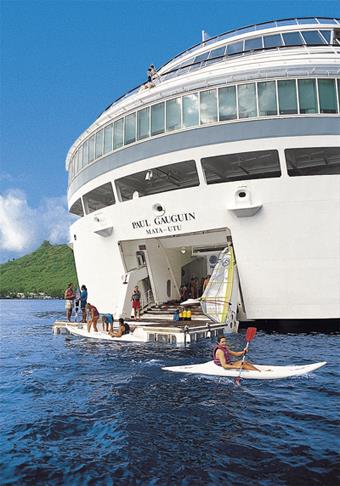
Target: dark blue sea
x,y
76,412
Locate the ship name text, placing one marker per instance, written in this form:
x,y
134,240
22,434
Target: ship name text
x,y
164,224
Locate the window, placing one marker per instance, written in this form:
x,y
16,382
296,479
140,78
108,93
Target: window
x,y
235,48
173,114
292,39
312,37
326,34
190,110
91,149
157,119
77,208
307,96
118,134
108,139
130,129
143,124
242,166
272,40
99,198
159,179
287,97
208,106
80,157
251,44
267,98
217,52
313,161
85,153
247,100
227,103
99,144
327,95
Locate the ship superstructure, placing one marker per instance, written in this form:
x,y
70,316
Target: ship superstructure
x,y
235,141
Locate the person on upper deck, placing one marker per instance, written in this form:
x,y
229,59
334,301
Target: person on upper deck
x,y
222,356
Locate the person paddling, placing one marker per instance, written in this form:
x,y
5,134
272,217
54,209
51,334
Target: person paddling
x,y
222,356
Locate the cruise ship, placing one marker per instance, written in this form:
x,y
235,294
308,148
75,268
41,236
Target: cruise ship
x,y
234,141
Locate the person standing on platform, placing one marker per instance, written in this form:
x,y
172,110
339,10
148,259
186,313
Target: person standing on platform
x,y
94,316
135,299
83,302
69,299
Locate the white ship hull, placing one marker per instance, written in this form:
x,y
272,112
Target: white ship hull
x,y
285,230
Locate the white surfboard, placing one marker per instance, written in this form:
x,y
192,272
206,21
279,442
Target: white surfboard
x,y
137,336
267,372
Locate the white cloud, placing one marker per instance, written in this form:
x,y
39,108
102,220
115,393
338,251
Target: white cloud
x,y
23,229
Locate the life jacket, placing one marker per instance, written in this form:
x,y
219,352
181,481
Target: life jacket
x,y
226,355
188,315
127,328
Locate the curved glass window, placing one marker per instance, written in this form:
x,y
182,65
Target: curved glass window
x,y
292,39
157,119
190,110
173,114
130,129
108,139
287,97
267,98
208,106
326,34
118,133
241,166
143,123
312,37
91,149
247,100
159,179
227,103
99,198
313,161
251,44
263,98
235,48
274,40
327,95
307,96
99,143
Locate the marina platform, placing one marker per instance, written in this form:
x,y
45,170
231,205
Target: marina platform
x,y
167,331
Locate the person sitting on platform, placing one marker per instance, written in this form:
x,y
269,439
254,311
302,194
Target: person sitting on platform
x,y
222,356
124,328
94,316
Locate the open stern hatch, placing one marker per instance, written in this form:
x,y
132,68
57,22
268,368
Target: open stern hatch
x,y
219,300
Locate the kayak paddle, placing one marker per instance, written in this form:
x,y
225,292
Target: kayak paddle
x,y
250,334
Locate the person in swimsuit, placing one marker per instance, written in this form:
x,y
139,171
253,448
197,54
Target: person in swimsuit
x,y
94,316
222,356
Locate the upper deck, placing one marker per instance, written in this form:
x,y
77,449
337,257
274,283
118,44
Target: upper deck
x,y
195,81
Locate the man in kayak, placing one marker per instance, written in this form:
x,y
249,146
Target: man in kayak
x,y
222,356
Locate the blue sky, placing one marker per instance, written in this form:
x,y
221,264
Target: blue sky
x,y
63,62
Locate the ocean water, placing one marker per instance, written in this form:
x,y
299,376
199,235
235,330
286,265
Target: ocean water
x,y
77,412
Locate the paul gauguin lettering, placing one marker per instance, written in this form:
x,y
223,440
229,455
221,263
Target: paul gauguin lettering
x,y
159,221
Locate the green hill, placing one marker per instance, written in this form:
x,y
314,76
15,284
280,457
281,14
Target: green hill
x,y
47,270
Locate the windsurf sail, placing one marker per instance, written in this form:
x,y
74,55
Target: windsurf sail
x,y
219,300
